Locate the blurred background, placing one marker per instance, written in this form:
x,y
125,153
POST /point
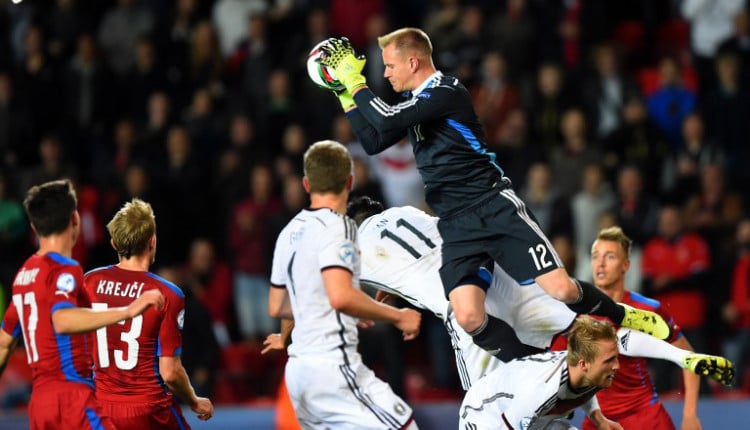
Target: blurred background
x,y
634,113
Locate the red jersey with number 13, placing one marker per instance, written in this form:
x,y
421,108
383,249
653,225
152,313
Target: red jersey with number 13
x,y
126,354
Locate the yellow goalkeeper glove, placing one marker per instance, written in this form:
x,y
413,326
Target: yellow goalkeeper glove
x,y
346,99
347,67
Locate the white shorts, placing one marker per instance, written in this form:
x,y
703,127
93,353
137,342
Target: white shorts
x,y
556,424
329,394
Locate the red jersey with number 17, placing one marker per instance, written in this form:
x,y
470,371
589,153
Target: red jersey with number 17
x,y
126,355
43,285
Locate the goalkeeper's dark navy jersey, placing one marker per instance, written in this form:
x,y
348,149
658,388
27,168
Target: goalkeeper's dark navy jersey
x,y
447,138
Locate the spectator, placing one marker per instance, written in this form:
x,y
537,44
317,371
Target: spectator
x,y
607,92
119,30
567,161
675,269
547,103
595,198
38,80
143,78
714,210
246,241
726,110
13,234
681,170
494,97
636,141
543,199
637,213
512,33
710,25
16,126
671,102
230,18
206,62
210,281
736,311
200,350
515,152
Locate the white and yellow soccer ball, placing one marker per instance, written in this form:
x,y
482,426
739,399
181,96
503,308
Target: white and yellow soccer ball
x,y
320,74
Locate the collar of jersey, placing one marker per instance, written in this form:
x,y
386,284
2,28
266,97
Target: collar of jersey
x,y
426,83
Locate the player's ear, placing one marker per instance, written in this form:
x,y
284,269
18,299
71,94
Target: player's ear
x,y
350,183
413,64
306,184
112,243
75,219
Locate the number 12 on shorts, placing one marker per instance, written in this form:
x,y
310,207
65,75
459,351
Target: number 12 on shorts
x,y
129,337
539,255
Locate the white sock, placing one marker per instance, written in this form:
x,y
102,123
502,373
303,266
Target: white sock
x,y
636,344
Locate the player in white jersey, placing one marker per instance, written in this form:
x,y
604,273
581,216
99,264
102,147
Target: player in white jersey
x,y
401,255
533,392
315,282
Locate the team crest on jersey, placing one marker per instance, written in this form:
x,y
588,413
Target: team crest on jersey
x,y
346,253
399,408
66,282
181,319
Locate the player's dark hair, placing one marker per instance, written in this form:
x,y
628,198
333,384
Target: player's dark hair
x,y
50,206
361,208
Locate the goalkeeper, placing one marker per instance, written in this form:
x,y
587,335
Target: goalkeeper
x,y
481,218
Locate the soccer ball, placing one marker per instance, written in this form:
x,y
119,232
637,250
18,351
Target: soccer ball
x,y
320,74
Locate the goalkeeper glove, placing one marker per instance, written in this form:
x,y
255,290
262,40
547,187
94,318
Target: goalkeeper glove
x,y
347,67
346,99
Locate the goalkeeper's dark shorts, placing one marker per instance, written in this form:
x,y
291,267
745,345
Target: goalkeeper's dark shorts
x,y
499,228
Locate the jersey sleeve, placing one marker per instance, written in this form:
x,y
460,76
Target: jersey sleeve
x,y
372,140
10,323
278,271
170,332
337,247
68,288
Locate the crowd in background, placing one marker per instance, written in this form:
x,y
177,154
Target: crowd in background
x,y
600,112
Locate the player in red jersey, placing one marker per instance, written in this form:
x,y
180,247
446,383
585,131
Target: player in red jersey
x,y
632,400
50,310
135,362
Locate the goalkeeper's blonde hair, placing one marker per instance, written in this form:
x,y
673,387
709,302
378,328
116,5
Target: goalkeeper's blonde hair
x,y
584,336
132,228
408,39
328,167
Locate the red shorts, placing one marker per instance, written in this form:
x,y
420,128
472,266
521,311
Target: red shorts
x,y
653,417
66,406
145,416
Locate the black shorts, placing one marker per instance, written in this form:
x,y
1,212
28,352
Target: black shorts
x,y
500,229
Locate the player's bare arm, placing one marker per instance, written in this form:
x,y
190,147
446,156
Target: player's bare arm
x,y
174,375
603,423
7,344
278,303
691,381
279,341
81,320
352,301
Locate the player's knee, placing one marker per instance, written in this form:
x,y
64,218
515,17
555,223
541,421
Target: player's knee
x,y
470,319
559,285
